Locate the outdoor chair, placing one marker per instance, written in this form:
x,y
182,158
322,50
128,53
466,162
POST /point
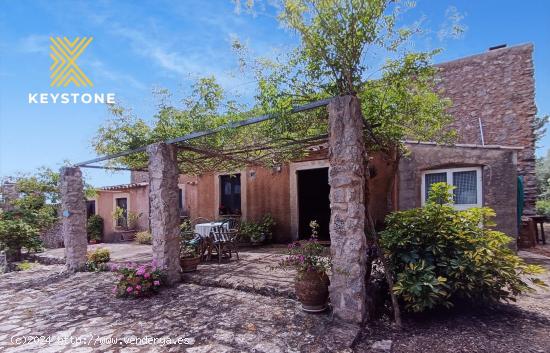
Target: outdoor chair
x,y
224,240
233,225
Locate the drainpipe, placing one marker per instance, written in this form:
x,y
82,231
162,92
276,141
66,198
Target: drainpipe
x,y
481,131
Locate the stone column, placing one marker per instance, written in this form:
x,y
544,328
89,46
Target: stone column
x,y
347,220
73,213
163,201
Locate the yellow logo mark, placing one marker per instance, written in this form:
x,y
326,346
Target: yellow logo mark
x,y
64,68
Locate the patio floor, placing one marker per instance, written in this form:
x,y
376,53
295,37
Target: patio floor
x,y
252,273
236,306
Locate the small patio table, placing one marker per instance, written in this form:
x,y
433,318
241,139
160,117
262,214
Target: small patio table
x,y
204,228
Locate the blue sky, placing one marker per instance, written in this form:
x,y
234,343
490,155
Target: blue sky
x,y
141,46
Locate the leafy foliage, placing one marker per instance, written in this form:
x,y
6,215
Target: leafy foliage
x,y
307,256
543,207
542,170
332,58
15,234
258,231
440,255
97,259
33,212
144,237
94,227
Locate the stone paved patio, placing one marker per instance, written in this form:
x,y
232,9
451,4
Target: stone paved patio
x,y
253,273
238,306
81,307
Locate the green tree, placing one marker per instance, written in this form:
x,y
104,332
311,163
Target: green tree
x,y
337,43
34,211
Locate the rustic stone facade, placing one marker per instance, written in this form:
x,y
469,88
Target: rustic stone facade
x,y
52,238
499,177
347,189
498,88
9,193
73,213
163,199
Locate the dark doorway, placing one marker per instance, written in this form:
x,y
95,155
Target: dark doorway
x,y
90,208
313,202
230,194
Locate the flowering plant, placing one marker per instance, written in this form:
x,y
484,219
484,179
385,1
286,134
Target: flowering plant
x,y
138,280
307,256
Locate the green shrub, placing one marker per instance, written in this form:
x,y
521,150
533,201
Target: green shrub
x,y
258,231
543,207
440,256
25,266
16,234
97,259
144,237
94,227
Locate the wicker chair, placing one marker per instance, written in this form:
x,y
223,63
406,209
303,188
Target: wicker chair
x,y
224,240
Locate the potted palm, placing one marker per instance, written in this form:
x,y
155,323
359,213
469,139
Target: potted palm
x,y
311,261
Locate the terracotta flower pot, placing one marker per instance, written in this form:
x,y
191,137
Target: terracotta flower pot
x,y
189,264
312,290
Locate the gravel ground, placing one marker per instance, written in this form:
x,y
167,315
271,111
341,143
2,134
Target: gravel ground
x,y
523,326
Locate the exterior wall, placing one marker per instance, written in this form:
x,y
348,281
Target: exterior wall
x,y
138,202
499,177
497,87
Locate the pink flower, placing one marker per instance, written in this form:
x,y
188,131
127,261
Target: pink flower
x,y
114,290
156,283
146,275
140,271
129,289
138,287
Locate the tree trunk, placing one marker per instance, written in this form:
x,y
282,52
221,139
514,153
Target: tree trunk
x,y
371,229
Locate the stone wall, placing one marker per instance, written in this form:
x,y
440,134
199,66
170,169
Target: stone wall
x,y
498,87
9,193
53,237
499,177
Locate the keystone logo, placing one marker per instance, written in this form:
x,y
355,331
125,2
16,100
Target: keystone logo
x,y
64,68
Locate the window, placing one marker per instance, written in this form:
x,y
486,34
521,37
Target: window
x,y
122,202
467,183
230,194
181,201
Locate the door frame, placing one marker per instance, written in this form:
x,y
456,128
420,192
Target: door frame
x,y
294,209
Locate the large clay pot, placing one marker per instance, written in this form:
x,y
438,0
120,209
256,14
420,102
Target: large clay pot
x,y
312,290
189,264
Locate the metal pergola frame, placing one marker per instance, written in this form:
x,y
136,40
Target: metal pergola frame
x,y
198,134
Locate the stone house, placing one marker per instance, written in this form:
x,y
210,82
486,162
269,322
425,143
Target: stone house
x,y
494,111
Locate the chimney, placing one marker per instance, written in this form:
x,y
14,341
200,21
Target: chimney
x,y
497,47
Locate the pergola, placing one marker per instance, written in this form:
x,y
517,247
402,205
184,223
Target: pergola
x,y
346,178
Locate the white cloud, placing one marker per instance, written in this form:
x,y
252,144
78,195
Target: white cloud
x,y
35,43
100,69
453,26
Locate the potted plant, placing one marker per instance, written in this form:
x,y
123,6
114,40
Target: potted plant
x,y
94,228
189,253
311,261
126,223
266,227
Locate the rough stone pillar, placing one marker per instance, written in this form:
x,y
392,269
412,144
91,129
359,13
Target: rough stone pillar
x,y
73,213
163,200
347,220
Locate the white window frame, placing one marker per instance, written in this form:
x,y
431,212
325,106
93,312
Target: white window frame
x,y
450,172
